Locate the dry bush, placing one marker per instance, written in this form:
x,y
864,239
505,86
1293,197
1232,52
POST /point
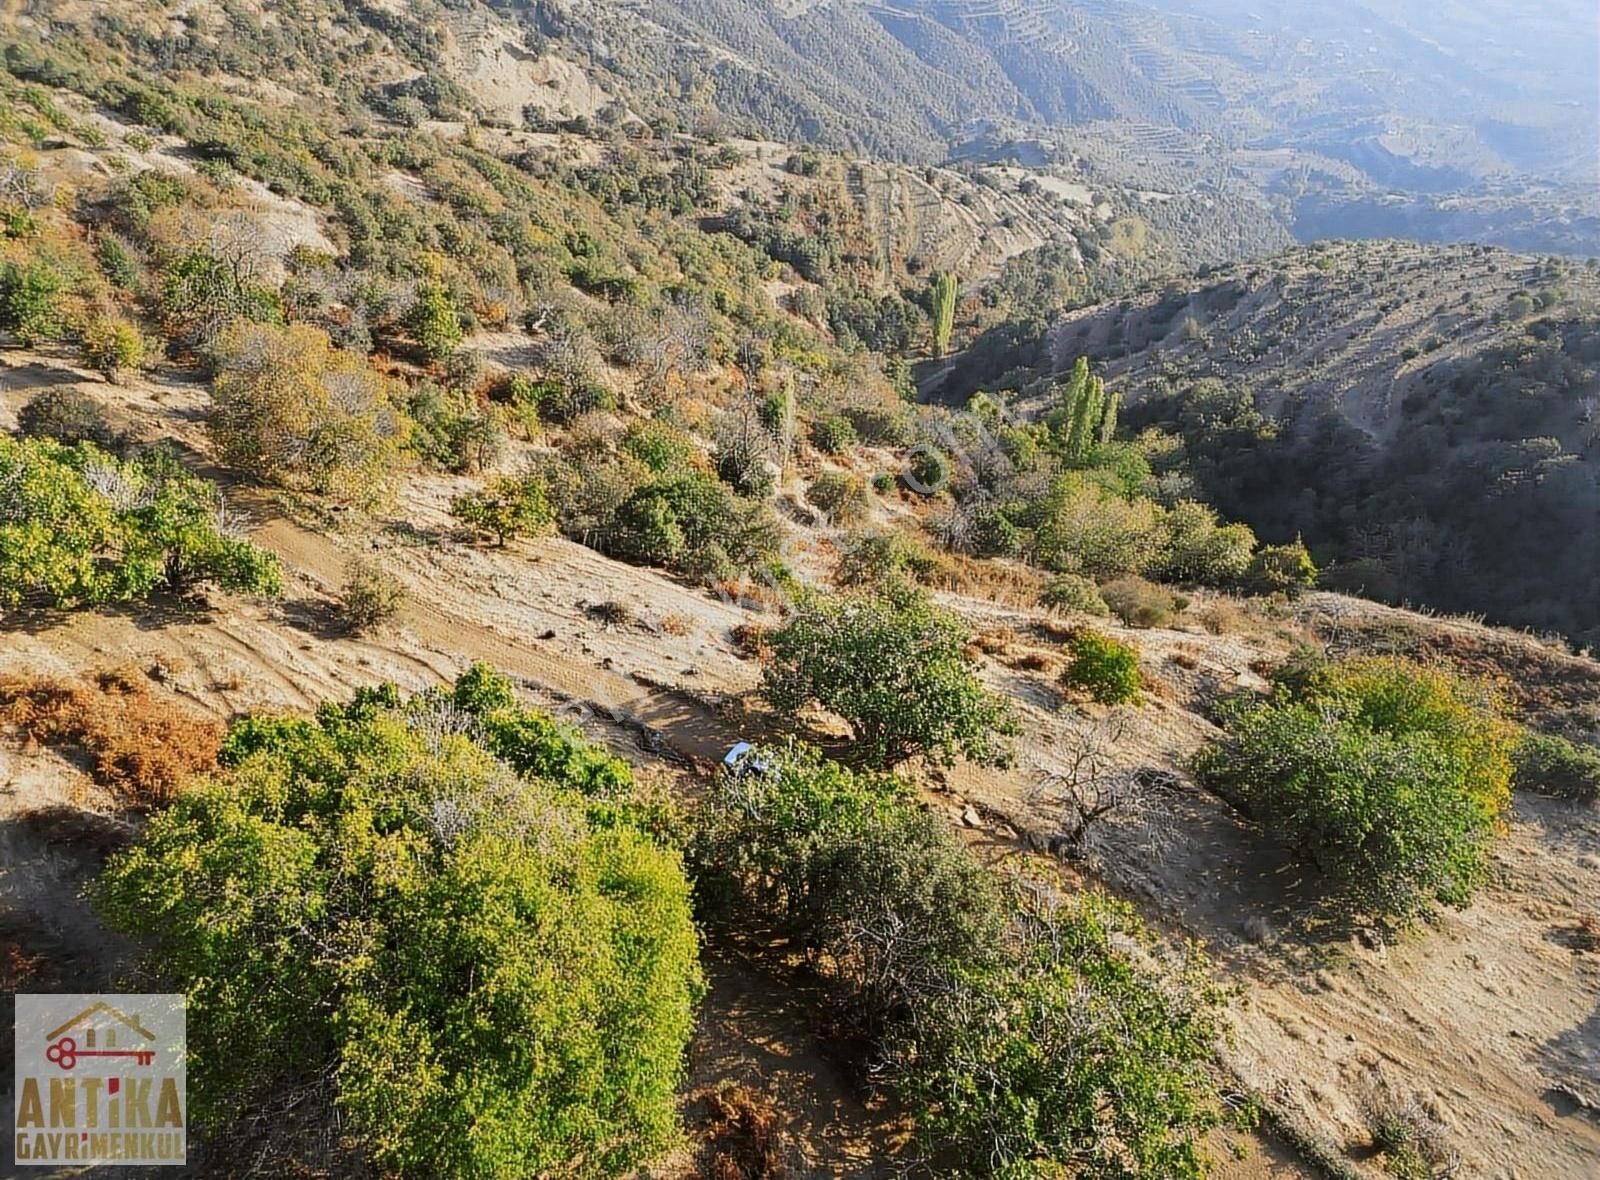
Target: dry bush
x,y
611,612
996,641
1056,630
743,1138
144,747
1411,1137
1142,603
371,596
749,639
1029,661
675,623
1223,616
1001,582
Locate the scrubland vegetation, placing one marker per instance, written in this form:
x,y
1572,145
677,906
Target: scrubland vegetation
x,y
957,526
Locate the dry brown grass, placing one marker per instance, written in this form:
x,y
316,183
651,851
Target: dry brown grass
x,y
995,641
1029,661
144,747
749,638
1222,616
1004,583
675,623
743,1139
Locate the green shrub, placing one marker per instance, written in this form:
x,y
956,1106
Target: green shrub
x,y
683,519
433,321
1085,1054
1069,593
370,597
883,555
66,414
1029,1033
78,527
114,347
1085,528
927,470
202,293
659,446
1389,778
1194,547
1552,765
32,301
895,668
808,848
1139,603
833,434
450,430
1103,667
841,496
492,974
507,507
1286,569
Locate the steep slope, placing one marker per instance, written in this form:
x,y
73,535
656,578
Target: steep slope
x,y
1424,416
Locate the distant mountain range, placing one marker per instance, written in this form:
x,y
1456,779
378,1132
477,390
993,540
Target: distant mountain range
x,y
1354,118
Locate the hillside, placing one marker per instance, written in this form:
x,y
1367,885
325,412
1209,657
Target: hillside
x,y
1422,416
567,577
656,668
1356,122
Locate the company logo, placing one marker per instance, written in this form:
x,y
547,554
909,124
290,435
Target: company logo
x,y
100,1080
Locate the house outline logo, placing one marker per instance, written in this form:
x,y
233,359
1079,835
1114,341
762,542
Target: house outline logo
x,y
64,1051
100,1080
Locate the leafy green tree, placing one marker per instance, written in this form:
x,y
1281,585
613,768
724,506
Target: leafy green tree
x,y
1285,569
507,507
1195,547
895,668
487,972
1089,529
944,311
1392,779
78,527
1085,416
433,320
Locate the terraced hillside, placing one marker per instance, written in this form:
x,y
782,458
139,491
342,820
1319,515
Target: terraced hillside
x,y
1340,115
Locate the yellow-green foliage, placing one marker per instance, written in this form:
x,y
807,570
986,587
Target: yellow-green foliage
x,y
78,527
291,409
485,955
1391,778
